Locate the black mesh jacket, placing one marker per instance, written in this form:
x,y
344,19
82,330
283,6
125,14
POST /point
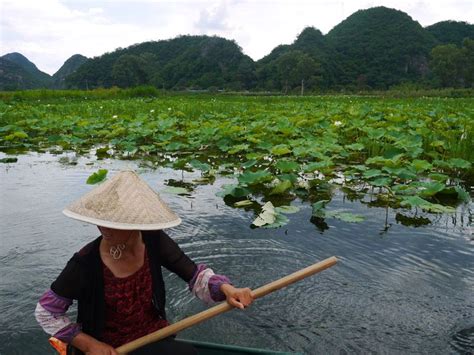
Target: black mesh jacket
x,y
82,279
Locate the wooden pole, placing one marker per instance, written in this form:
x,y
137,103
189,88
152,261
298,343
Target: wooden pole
x,y
224,306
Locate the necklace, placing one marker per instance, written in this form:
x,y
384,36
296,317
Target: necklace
x,y
115,251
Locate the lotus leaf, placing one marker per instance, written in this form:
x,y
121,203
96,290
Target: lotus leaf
x,y
463,195
421,165
369,174
196,164
257,177
287,209
249,163
317,166
281,187
416,201
236,191
281,149
175,190
97,177
431,189
401,173
286,166
238,148
383,181
243,203
290,177
438,177
355,146
318,208
280,221
459,163
345,216
9,160
266,216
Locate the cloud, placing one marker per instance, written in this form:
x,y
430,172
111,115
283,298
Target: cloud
x,y
49,32
213,18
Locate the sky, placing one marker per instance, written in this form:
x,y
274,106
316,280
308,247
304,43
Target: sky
x,y
48,32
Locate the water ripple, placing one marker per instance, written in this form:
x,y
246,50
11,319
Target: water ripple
x,y
394,290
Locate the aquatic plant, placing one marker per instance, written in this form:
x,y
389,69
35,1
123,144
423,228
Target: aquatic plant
x,y
415,153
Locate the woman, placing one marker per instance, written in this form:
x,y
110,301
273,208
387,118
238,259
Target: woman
x,y
117,278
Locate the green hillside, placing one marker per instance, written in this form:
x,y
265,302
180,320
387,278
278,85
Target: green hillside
x,y
308,58
377,48
451,32
183,62
69,67
380,47
18,73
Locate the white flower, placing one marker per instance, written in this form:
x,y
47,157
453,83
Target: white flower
x,y
151,111
337,123
114,116
169,108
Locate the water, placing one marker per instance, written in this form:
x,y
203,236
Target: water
x,y
395,290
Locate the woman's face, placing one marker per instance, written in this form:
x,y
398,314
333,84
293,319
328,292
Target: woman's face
x,y
114,235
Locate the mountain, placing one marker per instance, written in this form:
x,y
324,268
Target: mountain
x,y
380,47
69,67
18,73
454,32
182,62
310,43
374,48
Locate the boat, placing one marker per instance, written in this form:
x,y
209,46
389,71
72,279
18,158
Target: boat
x,y
202,347
205,348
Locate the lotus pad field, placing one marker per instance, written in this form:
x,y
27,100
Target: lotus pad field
x,y
408,153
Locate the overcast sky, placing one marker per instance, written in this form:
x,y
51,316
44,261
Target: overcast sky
x,y
48,32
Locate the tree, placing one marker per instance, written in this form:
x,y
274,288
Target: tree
x,y
296,67
468,54
129,70
286,64
246,73
306,69
447,64
451,32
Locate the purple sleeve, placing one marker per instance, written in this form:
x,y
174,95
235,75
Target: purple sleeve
x,y
51,315
212,288
54,303
215,283
68,333
199,268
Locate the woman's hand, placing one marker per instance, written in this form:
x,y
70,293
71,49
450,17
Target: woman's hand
x,y
91,346
237,297
100,348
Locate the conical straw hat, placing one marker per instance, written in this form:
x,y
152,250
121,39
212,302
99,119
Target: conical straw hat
x,y
123,202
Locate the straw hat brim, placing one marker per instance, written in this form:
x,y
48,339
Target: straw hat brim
x,y
124,202
123,226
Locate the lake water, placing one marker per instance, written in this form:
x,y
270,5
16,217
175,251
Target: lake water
x,y
396,290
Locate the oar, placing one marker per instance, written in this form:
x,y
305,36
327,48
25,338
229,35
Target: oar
x,y
224,306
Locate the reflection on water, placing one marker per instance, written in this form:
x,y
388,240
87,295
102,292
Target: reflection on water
x,y
402,285
463,341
